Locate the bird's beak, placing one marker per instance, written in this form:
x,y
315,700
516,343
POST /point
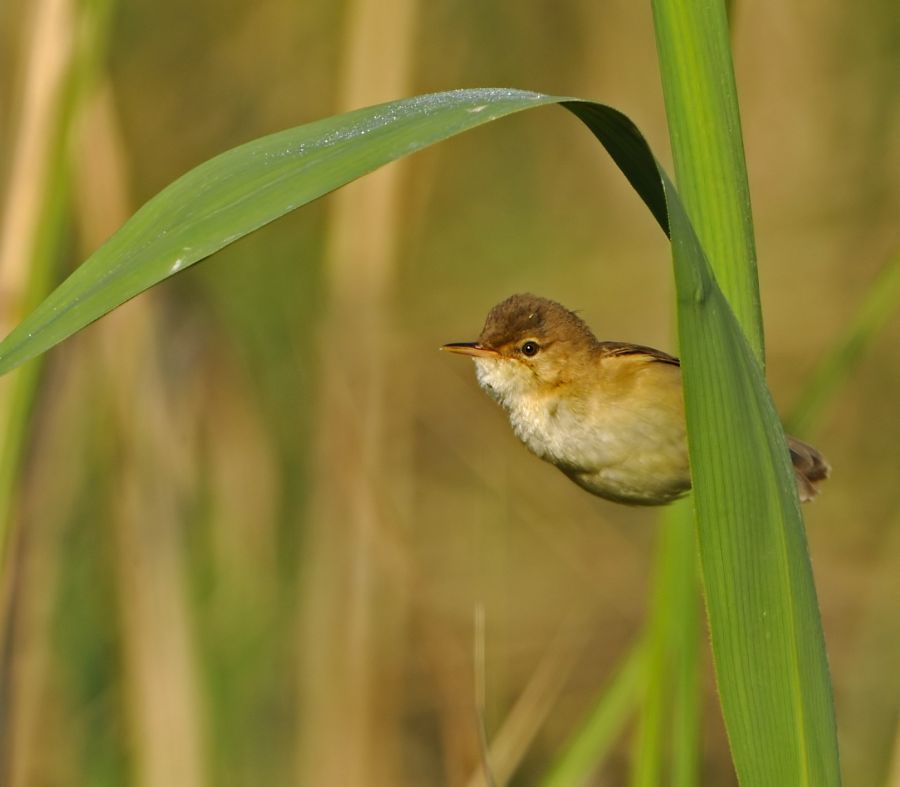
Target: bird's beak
x,y
473,349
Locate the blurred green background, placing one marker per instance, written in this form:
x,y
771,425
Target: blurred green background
x,y
252,515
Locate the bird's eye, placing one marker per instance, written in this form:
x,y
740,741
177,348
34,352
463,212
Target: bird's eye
x,y
530,349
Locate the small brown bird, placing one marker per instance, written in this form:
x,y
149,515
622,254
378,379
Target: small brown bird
x,y
610,415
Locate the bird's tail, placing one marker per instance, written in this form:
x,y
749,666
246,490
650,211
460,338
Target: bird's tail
x,y
810,468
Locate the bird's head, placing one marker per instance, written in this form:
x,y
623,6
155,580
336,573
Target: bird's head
x,y
529,347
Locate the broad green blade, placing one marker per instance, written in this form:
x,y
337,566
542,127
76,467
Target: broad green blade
x,y
692,38
239,191
764,621
768,648
766,633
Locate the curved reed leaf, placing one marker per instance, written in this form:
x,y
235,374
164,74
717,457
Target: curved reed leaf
x,y
245,188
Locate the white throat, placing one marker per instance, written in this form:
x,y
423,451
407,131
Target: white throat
x,y
533,417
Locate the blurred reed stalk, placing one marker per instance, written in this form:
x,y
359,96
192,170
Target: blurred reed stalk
x,y
586,750
31,226
668,721
152,473
66,42
37,717
31,235
350,629
510,745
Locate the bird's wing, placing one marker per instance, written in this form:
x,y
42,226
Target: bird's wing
x,y
624,348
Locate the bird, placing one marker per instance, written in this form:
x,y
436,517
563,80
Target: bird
x,y
609,415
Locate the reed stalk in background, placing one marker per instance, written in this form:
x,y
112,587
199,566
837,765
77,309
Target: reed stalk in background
x,y
669,710
352,614
32,223
55,64
151,472
56,69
